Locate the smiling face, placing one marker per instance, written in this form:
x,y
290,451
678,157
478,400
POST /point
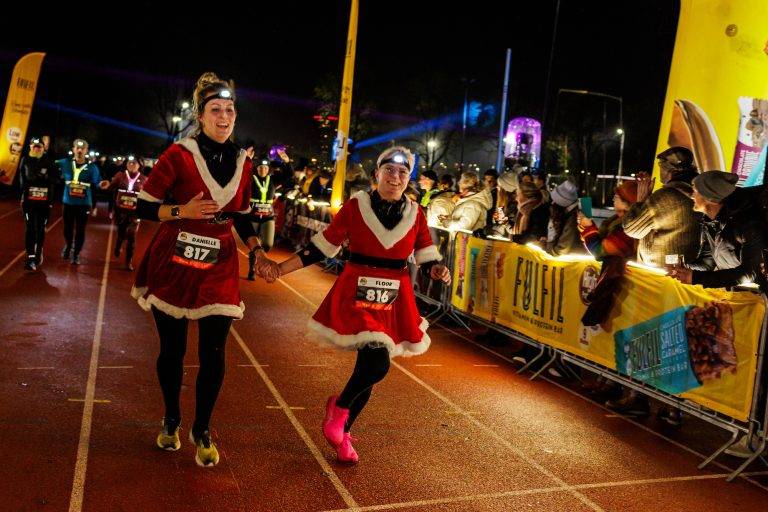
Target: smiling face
x,y
392,179
218,119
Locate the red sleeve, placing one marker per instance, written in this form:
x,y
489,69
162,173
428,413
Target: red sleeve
x,y
162,178
330,240
424,250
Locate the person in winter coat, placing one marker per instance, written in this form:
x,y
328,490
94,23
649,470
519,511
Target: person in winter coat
x,y
532,216
472,205
563,231
664,221
441,203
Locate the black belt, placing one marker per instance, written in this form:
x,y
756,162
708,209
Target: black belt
x,y
373,261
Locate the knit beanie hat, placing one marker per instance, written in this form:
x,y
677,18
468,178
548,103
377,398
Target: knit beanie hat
x,y
565,194
715,185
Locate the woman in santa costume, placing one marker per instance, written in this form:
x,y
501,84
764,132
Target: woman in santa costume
x,y
198,189
371,307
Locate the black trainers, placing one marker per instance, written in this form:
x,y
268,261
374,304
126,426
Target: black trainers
x,y
206,454
30,264
65,252
76,259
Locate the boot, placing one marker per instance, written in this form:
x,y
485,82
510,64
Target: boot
x,y
333,424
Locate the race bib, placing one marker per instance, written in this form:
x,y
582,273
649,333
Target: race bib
x,y
376,292
76,189
262,210
196,251
127,200
38,194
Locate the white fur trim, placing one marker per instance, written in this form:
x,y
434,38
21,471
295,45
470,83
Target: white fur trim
x,y
361,339
387,237
222,195
325,246
146,196
146,304
426,254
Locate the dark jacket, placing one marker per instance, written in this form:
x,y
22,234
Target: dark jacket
x,y
38,174
732,245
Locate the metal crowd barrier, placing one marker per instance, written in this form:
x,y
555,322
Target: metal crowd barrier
x,y
756,426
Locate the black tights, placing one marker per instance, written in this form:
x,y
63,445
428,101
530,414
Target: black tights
x,y
371,367
170,364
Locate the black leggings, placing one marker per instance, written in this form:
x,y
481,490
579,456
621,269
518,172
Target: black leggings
x,y
127,225
371,367
170,364
34,235
75,215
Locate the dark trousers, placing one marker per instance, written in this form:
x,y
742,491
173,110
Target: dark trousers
x,y
127,225
36,219
75,219
170,364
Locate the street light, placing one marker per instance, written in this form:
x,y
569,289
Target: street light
x,y
431,145
620,131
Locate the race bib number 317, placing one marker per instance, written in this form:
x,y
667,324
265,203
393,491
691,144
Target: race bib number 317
x,y
376,292
196,251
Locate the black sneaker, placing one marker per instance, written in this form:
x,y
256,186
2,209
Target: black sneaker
x,y
116,252
76,259
30,264
65,252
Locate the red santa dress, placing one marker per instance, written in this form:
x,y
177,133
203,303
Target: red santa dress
x,y
190,269
370,304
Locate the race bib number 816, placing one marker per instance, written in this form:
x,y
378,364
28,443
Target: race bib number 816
x,y
376,292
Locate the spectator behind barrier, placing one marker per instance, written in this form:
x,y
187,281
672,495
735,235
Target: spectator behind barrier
x,y
732,235
562,230
319,188
613,247
532,215
664,221
471,207
355,181
491,182
441,202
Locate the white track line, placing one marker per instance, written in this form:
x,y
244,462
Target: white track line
x,y
22,253
6,214
540,490
611,414
115,367
488,430
36,368
327,469
78,483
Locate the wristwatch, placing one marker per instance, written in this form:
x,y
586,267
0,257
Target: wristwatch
x,y
175,212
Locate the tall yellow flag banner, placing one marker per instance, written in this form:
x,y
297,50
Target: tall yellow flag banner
x,y
345,112
717,94
18,108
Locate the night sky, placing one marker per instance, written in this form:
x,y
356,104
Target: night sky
x,y
117,65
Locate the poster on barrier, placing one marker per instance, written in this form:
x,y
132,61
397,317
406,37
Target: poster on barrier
x,y
697,343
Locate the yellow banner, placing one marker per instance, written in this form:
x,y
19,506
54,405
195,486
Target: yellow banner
x,y
717,94
18,108
345,111
692,342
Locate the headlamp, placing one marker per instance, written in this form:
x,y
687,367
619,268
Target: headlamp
x,y
264,162
34,141
221,94
396,158
131,158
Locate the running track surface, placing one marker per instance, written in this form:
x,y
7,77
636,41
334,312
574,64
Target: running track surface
x,y
455,429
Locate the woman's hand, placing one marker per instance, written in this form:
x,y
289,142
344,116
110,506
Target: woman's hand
x,y
440,272
583,220
266,268
645,186
104,184
199,208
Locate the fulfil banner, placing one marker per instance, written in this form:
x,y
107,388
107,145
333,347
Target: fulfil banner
x,y
696,343
18,108
717,94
